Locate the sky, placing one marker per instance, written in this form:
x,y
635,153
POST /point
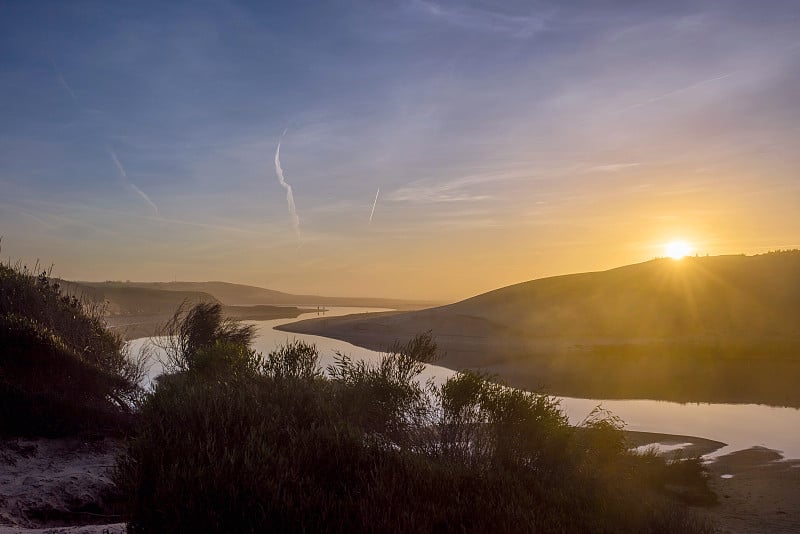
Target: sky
x,y
428,149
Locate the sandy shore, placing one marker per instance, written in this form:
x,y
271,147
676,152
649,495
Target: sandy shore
x,y
758,492
672,445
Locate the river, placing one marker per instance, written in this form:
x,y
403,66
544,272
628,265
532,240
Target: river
x,y
741,426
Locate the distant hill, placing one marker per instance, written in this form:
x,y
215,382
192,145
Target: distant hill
x,y
643,330
123,300
139,309
244,295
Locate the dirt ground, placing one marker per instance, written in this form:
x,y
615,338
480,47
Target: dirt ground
x,y
57,486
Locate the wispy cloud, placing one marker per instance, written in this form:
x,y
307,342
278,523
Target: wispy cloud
x,y
289,193
679,91
482,19
433,193
374,203
61,80
66,86
613,167
131,185
460,189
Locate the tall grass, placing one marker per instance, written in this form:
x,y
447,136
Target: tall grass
x,y
276,445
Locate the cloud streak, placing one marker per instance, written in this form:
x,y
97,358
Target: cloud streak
x,y
66,86
679,91
613,167
374,203
133,186
61,80
474,18
289,194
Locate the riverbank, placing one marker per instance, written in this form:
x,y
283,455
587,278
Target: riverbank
x,y
758,491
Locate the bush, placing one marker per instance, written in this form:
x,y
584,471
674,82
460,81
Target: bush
x,y
61,370
198,328
369,448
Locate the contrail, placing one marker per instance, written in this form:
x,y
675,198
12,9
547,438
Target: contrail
x,y
132,185
289,194
61,79
373,205
66,86
680,90
63,82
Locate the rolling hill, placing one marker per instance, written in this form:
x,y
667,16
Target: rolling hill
x,y
140,308
122,300
245,295
693,329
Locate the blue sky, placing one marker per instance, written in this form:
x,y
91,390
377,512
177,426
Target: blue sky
x,y
509,140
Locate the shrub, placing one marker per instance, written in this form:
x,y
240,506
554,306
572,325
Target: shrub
x,y
194,329
369,448
294,361
61,370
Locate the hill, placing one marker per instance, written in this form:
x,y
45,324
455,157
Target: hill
x,y
138,309
723,328
124,300
141,310
245,295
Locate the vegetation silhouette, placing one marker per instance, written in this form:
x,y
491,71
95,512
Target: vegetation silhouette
x,y
273,443
61,370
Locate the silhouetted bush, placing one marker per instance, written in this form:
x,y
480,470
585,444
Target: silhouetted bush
x,y
193,329
370,448
61,370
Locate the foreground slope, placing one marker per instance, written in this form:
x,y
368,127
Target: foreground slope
x,y
724,328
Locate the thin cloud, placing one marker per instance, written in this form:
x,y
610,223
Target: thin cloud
x,y
613,167
61,80
457,189
434,194
483,19
289,193
66,86
374,203
679,91
131,185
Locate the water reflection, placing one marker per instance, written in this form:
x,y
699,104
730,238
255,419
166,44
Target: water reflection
x,y
739,425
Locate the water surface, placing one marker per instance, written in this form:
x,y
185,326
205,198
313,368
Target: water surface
x,y
739,425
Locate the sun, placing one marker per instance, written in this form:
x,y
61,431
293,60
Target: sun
x,y
678,249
